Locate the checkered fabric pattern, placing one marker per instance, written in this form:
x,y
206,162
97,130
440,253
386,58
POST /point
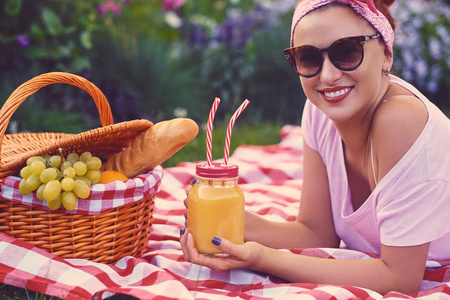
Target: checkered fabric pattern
x,y
271,178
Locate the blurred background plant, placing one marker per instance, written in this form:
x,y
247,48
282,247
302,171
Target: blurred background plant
x,y
422,53
156,58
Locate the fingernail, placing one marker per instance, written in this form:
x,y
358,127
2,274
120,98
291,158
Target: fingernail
x,y
182,231
216,241
194,181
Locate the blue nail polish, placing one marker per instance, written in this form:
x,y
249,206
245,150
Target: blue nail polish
x,y
194,181
182,231
216,241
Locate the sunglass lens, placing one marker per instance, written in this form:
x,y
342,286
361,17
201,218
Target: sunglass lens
x,y
307,60
346,54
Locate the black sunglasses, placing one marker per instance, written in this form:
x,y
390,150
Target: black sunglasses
x,y
346,54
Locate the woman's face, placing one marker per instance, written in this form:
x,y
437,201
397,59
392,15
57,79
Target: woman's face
x,y
342,95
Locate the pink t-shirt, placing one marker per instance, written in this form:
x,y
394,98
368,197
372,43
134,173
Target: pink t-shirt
x,y
410,205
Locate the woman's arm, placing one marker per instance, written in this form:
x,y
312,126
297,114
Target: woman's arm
x,y
314,226
398,269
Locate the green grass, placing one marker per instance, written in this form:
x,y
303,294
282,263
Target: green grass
x,y
242,134
8,292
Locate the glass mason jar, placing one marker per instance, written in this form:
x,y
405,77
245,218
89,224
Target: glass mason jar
x,y
216,206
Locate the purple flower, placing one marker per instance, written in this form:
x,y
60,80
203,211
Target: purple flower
x,y
237,30
23,41
194,33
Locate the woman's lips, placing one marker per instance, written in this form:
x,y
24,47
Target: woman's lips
x,y
336,94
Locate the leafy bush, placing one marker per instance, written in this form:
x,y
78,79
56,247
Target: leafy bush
x,y
243,59
44,36
422,48
157,82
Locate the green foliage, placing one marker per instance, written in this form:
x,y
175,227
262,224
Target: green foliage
x,y
151,71
47,35
422,47
44,36
215,10
272,86
49,111
28,116
243,134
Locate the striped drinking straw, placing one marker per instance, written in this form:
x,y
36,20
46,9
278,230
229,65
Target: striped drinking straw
x,y
230,128
209,127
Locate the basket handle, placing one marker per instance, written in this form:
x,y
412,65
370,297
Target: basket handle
x,y
33,85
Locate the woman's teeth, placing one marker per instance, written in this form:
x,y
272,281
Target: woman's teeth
x,y
337,93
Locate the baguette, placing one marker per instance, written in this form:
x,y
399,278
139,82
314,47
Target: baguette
x,y
153,147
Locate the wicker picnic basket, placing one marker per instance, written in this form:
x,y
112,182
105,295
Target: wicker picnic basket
x,y
105,237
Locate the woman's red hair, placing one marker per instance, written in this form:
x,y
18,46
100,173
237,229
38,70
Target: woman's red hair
x,y
383,7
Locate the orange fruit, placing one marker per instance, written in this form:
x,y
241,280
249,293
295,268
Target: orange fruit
x,y
110,176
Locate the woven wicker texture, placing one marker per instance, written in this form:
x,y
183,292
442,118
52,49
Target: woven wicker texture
x,y
106,237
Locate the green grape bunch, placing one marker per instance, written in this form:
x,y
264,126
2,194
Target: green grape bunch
x,y
60,180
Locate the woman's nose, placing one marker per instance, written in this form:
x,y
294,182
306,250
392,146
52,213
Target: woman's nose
x,y
329,73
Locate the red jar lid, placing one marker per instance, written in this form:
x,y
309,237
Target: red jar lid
x,y
217,170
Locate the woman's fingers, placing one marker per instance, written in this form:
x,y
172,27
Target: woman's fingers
x,y
247,255
239,256
183,241
190,253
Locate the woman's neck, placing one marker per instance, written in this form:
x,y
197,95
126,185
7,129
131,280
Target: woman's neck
x,y
356,132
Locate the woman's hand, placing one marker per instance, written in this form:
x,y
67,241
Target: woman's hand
x,y
246,256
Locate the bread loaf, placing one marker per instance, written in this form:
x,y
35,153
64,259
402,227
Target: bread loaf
x,y
153,147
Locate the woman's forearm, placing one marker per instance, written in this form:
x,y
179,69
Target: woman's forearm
x,y
282,235
374,274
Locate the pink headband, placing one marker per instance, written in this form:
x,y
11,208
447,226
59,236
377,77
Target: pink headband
x,y
366,10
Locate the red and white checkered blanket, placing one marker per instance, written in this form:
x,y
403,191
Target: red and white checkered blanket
x,y
271,178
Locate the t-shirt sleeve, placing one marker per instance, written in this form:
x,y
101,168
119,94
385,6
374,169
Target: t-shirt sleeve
x,y
307,126
418,215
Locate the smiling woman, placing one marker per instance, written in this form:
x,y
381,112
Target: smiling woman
x,y
372,163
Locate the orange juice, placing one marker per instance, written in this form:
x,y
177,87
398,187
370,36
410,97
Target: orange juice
x,y
216,208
